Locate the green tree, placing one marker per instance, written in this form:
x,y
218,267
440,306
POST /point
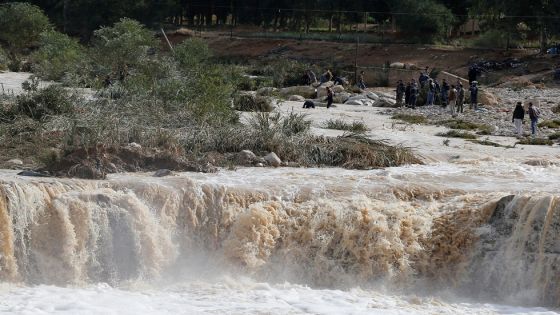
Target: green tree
x,y
57,55
428,18
21,25
121,46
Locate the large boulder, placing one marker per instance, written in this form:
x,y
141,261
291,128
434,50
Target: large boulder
x,y
397,65
267,91
273,159
303,90
355,102
341,98
385,102
487,98
296,98
15,162
372,96
246,157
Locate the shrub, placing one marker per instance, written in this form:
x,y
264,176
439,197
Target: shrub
x,y
492,39
457,134
411,119
535,141
432,18
52,100
554,136
192,53
124,44
21,24
4,60
339,124
551,124
489,143
252,103
57,55
286,72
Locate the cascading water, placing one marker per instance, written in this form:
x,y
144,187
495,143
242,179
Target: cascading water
x,y
403,229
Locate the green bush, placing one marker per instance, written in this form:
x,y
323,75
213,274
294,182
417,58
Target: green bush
x,y
339,124
456,134
124,45
286,72
192,53
4,60
58,54
411,119
554,136
50,101
252,103
551,124
492,39
432,19
535,141
21,24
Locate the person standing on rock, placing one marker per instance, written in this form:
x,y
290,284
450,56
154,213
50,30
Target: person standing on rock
x,y
444,93
474,96
517,120
452,100
400,92
534,114
407,94
327,76
413,94
361,82
460,97
431,92
329,97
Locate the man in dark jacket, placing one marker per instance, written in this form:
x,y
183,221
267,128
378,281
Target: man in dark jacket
x,y
414,91
444,93
473,73
460,97
400,92
474,96
407,94
517,119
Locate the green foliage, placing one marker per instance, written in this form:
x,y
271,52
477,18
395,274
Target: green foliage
x,y
252,103
550,124
411,119
192,53
457,134
121,46
339,124
490,143
535,141
58,54
492,39
21,24
39,104
554,136
431,19
286,72
4,60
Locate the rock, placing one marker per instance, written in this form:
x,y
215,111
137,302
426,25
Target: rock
x,y
372,96
163,172
296,98
487,98
358,97
259,165
134,146
15,162
246,157
85,171
337,89
111,168
385,102
305,91
354,102
33,174
341,98
266,91
273,159
397,65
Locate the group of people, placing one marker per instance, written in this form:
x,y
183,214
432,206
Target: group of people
x,y
519,115
448,96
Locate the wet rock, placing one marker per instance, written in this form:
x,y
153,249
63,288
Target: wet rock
x,y
372,96
163,172
385,102
354,102
85,171
33,174
273,159
246,157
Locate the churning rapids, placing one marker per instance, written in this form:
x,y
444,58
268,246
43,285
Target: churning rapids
x,y
465,238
